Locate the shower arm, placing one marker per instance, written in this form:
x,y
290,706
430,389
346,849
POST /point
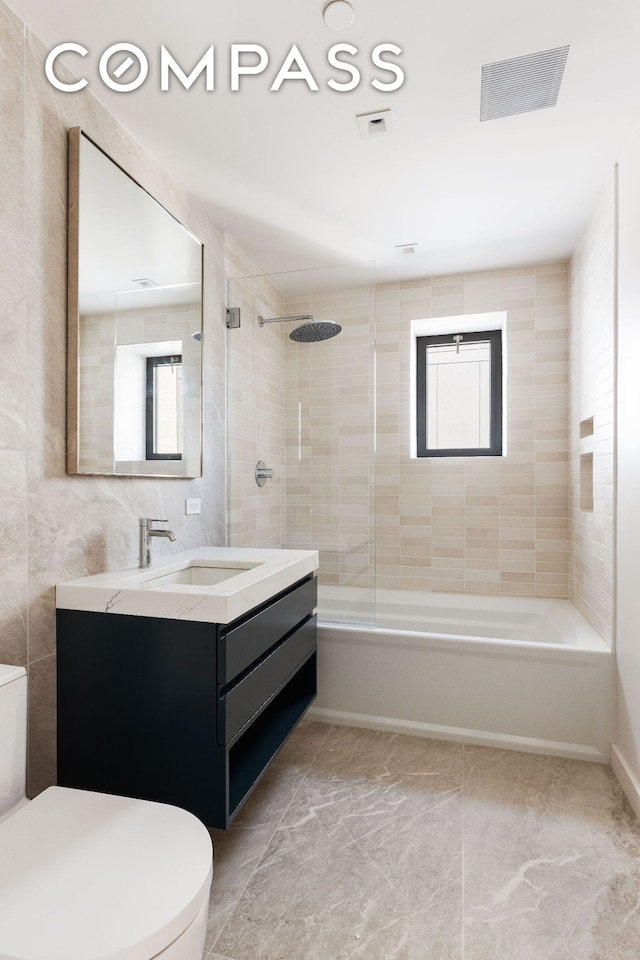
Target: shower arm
x,y
298,317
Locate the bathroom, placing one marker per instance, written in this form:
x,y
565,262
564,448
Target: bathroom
x,y
57,528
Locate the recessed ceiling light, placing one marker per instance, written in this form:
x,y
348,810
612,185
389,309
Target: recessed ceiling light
x,y
338,15
374,124
145,282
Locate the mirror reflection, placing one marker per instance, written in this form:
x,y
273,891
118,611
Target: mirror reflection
x,y
135,322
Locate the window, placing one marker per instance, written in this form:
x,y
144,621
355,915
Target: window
x,y
164,408
459,395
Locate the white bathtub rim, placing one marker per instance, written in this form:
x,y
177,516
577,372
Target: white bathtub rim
x,y
464,601
485,738
398,610
329,631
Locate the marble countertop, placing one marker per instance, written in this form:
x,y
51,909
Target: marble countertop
x,y
149,592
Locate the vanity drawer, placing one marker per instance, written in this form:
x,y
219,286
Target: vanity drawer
x,y
240,646
241,702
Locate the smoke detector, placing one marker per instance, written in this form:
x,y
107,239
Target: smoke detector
x,y
522,84
402,249
338,15
145,282
375,124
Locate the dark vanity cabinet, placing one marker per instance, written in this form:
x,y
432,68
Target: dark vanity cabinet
x,y
183,712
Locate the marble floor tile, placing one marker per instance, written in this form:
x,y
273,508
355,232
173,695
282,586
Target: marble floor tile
x,y
239,849
341,907
557,892
359,754
269,801
236,856
363,863
552,860
326,817
550,782
361,844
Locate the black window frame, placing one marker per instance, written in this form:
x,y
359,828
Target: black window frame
x,y
152,363
494,337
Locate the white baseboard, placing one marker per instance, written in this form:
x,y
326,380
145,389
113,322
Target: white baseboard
x,y
574,751
628,781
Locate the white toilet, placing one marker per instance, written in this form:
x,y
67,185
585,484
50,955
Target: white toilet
x,y
88,876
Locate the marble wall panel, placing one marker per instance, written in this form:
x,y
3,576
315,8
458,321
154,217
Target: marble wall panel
x,y
12,235
13,557
57,527
42,725
13,404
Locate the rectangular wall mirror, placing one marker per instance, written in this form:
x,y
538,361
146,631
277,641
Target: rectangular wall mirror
x,y
134,327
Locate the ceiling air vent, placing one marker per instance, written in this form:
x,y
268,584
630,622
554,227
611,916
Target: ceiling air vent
x,y
522,84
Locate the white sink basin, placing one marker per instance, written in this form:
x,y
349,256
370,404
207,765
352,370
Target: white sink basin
x,y
199,574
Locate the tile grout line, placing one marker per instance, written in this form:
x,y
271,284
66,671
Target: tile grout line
x,y
330,727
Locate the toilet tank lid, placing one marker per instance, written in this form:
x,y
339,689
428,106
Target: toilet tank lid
x,y
9,673
87,876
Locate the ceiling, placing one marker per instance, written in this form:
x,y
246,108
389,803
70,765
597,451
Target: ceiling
x,y
287,174
127,237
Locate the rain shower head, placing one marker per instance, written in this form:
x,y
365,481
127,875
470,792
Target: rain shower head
x,y
315,330
310,330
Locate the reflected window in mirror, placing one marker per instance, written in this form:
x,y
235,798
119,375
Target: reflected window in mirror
x,y
164,408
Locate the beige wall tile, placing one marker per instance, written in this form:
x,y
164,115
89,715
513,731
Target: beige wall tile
x,y
592,395
436,522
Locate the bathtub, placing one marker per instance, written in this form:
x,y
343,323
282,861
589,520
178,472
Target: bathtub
x,y
515,673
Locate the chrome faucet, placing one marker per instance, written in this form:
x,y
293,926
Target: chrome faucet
x,y
146,532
